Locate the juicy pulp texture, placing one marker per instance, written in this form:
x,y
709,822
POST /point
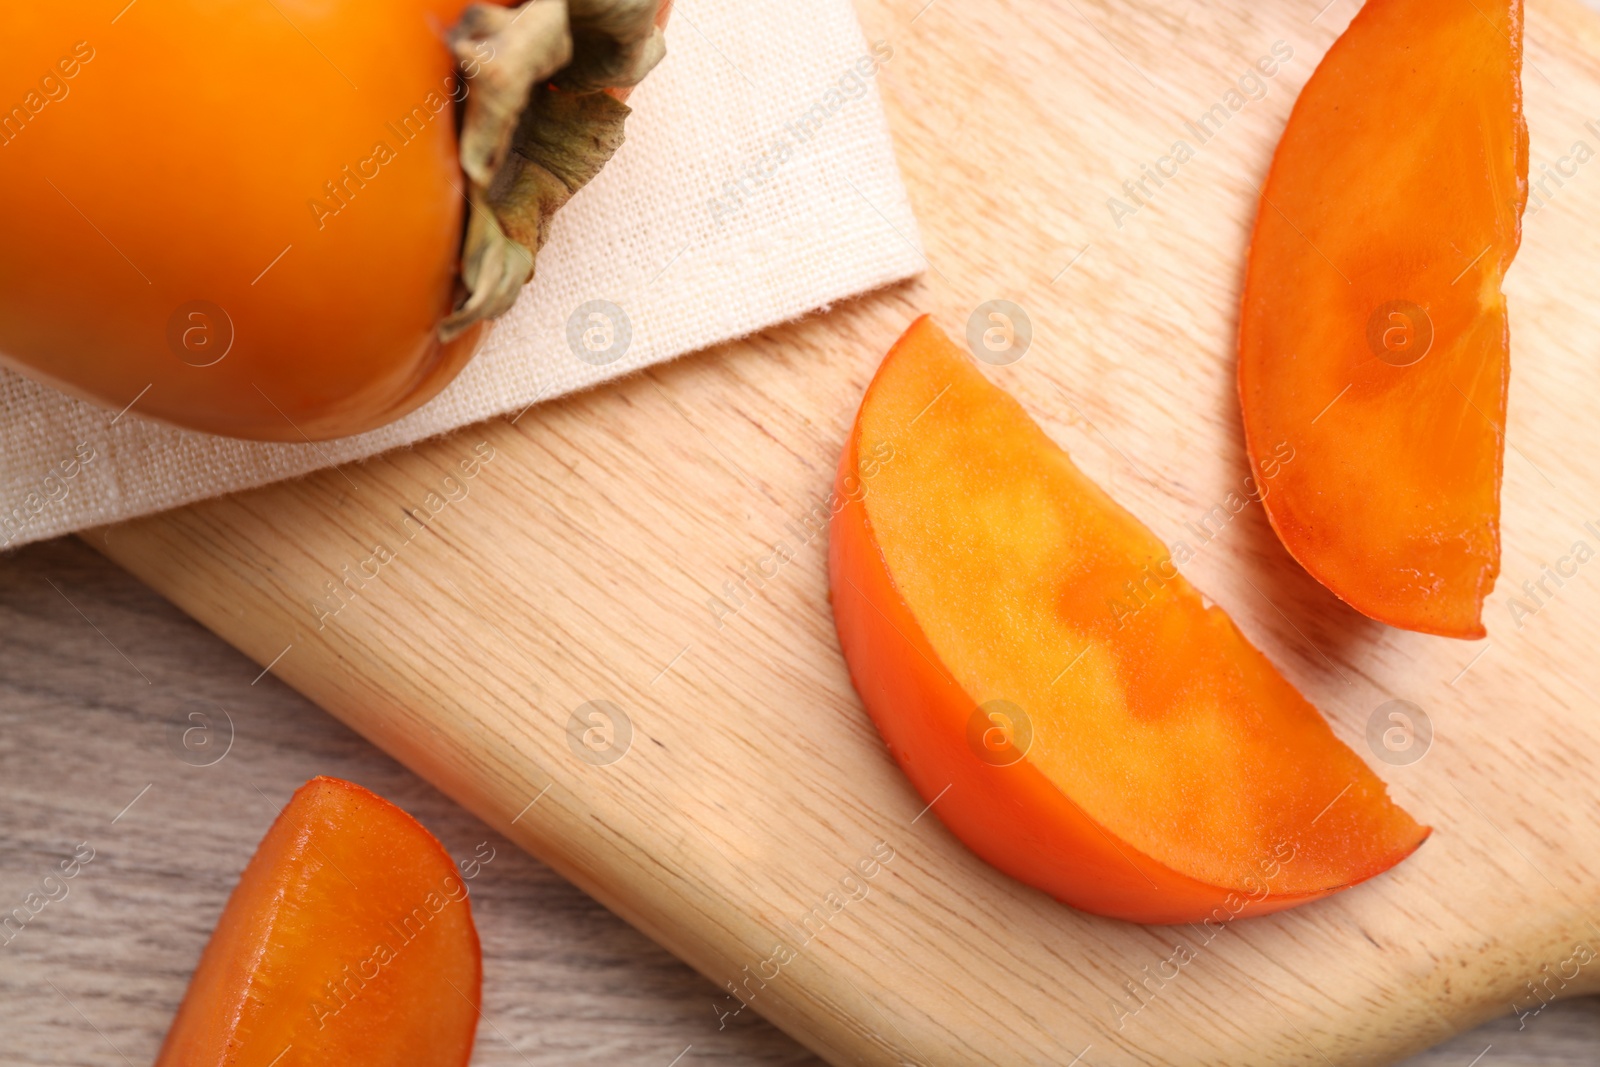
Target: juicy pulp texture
x,y
348,939
1373,337
1169,764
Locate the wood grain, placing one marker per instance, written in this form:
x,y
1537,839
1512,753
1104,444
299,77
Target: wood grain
x,y
82,733
581,562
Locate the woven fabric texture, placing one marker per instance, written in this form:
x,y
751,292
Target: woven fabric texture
x,y
757,183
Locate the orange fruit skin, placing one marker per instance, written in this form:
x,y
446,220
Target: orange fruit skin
x,y
1017,817
1400,179
181,160
349,939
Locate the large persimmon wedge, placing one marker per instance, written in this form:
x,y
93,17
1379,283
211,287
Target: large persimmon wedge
x,y
1373,337
348,940
1064,700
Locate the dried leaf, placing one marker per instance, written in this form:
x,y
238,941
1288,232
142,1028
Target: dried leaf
x,y
537,127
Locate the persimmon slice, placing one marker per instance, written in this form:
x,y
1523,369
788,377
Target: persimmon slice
x,y
1067,703
1373,337
348,940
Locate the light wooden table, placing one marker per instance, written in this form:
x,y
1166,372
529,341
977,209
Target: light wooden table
x,y
94,978
97,671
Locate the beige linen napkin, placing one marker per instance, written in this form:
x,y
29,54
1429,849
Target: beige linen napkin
x,y
757,183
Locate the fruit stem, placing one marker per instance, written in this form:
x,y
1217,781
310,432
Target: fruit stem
x,y
540,121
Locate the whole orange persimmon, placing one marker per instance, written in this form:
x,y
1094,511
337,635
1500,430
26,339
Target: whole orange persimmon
x,y
247,216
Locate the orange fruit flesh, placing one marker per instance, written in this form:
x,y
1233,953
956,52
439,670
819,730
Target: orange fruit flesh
x,y
348,939
1159,722
1373,335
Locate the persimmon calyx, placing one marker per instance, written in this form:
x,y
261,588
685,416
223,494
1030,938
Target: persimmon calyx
x,y
538,126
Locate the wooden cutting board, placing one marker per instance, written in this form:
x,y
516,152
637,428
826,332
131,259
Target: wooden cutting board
x,y
590,639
